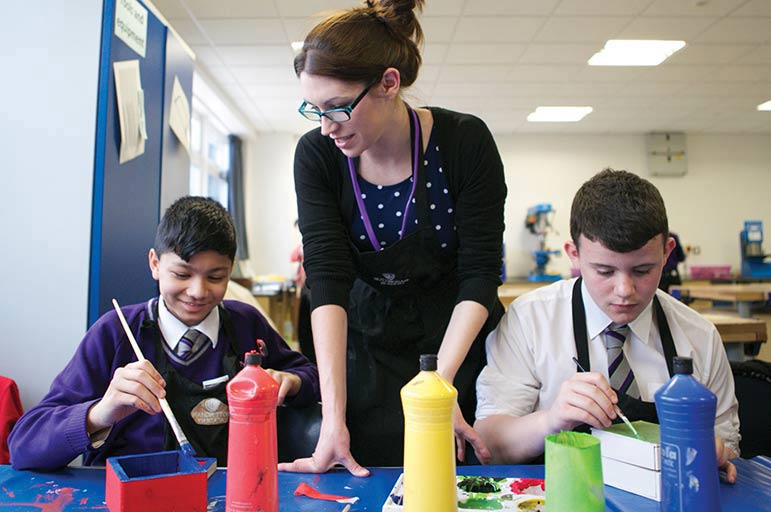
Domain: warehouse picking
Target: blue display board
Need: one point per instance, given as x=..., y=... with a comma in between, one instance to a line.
x=127, y=197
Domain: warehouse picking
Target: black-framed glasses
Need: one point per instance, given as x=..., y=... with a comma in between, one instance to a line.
x=338, y=115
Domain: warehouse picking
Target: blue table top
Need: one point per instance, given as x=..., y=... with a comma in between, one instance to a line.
x=82, y=489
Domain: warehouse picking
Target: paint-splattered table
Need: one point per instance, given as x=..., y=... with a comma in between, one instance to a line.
x=82, y=489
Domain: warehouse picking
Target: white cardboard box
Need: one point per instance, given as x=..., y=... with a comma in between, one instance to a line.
x=629, y=463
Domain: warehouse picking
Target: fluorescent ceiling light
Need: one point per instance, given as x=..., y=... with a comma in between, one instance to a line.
x=631, y=52
x=297, y=46
x=765, y=106
x=558, y=114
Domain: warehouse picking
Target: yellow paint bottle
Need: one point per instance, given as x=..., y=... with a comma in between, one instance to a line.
x=428, y=401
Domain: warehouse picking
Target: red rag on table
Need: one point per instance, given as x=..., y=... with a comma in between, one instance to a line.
x=306, y=490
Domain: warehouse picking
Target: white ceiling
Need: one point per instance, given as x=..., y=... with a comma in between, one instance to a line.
x=500, y=59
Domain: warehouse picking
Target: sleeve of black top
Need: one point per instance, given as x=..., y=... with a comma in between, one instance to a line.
x=479, y=202
x=326, y=251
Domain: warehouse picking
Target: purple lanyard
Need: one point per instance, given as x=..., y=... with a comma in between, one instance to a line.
x=360, y=202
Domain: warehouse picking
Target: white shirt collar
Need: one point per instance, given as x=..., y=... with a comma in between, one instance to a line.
x=597, y=320
x=172, y=328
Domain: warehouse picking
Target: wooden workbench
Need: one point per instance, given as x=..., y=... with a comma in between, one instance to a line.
x=743, y=295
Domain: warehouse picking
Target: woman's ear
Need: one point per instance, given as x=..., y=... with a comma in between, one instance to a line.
x=390, y=83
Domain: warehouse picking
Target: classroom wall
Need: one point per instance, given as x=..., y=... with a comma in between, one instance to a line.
x=728, y=179
x=50, y=65
x=271, y=208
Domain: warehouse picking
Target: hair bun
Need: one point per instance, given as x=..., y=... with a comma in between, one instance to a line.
x=399, y=16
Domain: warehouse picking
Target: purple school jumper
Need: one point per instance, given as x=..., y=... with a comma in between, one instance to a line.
x=53, y=432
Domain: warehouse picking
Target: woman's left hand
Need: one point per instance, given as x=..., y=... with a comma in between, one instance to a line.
x=464, y=432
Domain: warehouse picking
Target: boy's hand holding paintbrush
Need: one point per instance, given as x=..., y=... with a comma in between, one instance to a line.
x=584, y=398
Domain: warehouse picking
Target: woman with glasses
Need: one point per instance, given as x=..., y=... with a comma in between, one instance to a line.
x=401, y=211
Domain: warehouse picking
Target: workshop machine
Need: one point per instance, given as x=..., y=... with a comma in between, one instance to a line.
x=538, y=221
x=753, y=259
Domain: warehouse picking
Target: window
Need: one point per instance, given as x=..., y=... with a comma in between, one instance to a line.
x=209, y=156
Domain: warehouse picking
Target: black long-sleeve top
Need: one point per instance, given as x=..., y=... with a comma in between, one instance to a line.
x=475, y=178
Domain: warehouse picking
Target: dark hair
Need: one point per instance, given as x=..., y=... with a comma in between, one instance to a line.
x=359, y=44
x=618, y=209
x=196, y=224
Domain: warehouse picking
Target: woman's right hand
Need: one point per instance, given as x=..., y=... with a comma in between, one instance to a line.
x=333, y=447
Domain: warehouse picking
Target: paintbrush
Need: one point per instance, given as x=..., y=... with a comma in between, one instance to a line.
x=615, y=406
x=184, y=444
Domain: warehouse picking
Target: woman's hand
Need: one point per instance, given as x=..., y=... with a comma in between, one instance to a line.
x=334, y=447
x=136, y=386
x=464, y=432
x=288, y=383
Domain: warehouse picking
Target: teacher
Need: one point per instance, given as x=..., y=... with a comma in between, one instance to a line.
x=401, y=212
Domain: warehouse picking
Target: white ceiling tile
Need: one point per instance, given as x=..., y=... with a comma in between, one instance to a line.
x=754, y=8
x=434, y=53
x=656, y=89
x=220, y=74
x=256, y=55
x=577, y=29
x=509, y=7
x=668, y=28
x=443, y=8
x=590, y=89
x=601, y=7
x=675, y=73
x=558, y=53
x=270, y=91
x=297, y=28
x=438, y=29
x=760, y=55
x=189, y=31
x=727, y=89
x=500, y=29
x=170, y=8
x=473, y=73
x=233, y=9
x=304, y=8
x=277, y=75
x=699, y=53
x=479, y=53
x=692, y=8
x=743, y=73
x=538, y=73
x=244, y=31
x=737, y=30
x=609, y=73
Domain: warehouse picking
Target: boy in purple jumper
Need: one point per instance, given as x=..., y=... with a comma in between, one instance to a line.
x=105, y=402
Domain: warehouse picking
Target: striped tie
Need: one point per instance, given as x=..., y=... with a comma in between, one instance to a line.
x=620, y=374
x=191, y=345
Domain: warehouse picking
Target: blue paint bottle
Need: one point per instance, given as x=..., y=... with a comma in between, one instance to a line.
x=689, y=474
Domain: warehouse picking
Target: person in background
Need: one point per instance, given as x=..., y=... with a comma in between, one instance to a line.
x=105, y=403
x=670, y=275
x=302, y=305
x=401, y=212
x=614, y=320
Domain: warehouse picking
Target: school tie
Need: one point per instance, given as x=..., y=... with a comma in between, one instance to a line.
x=190, y=346
x=620, y=374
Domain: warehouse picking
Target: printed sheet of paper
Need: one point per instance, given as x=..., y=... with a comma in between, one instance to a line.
x=131, y=25
x=131, y=109
x=179, y=117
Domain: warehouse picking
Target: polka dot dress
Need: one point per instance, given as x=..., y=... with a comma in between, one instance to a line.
x=386, y=204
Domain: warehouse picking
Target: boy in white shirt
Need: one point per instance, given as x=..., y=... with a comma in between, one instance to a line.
x=613, y=320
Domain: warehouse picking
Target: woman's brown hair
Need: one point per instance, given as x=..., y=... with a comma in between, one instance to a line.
x=358, y=44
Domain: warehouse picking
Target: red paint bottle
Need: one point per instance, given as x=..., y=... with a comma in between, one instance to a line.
x=252, y=474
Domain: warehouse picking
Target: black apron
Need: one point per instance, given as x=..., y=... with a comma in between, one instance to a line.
x=633, y=408
x=184, y=395
x=400, y=306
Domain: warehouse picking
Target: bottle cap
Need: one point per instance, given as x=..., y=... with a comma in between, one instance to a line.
x=428, y=362
x=682, y=365
x=253, y=357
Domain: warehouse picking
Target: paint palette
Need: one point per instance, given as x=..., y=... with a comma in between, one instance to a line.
x=485, y=493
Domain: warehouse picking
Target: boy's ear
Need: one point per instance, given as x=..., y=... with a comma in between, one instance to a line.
x=155, y=264
x=669, y=246
x=571, y=249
